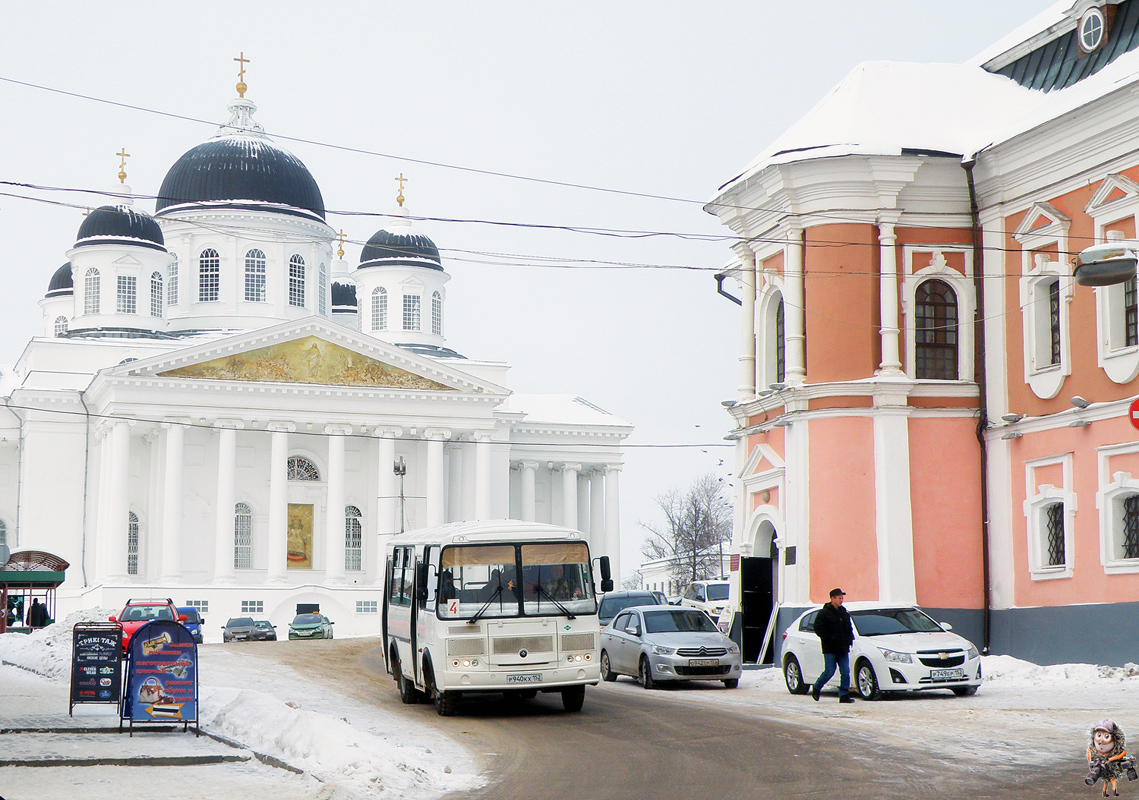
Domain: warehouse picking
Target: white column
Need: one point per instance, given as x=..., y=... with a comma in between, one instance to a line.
x=746, y=388
x=483, y=477
x=793, y=312
x=569, y=495
x=529, y=505
x=172, y=502
x=387, y=493
x=436, y=472
x=597, y=509
x=334, y=504
x=454, y=452
x=223, y=511
x=277, y=549
x=888, y=298
x=118, y=502
x=613, y=520
x=583, y=519
x=469, y=481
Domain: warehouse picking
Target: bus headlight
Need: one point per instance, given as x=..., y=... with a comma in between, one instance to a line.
x=576, y=659
x=466, y=662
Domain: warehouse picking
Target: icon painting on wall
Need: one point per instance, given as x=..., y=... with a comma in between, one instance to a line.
x=299, y=553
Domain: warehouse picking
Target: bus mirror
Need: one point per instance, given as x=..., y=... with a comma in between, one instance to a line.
x=606, y=584
x=606, y=574
x=421, y=582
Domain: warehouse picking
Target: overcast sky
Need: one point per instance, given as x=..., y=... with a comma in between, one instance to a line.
x=656, y=98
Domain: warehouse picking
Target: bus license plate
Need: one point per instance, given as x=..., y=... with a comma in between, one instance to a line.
x=947, y=674
x=528, y=678
x=703, y=662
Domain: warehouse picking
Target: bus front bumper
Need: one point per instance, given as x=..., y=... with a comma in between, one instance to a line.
x=522, y=678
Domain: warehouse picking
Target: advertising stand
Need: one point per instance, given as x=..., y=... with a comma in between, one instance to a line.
x=161, y=683
x=96, y=663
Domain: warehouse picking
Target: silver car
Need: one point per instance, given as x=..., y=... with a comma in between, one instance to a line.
x=667, y=643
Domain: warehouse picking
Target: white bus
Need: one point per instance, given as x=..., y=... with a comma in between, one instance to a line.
x=501, y=606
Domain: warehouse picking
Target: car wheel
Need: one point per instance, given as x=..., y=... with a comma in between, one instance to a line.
x=573, y=697
x=866, y=680
x=647, y=674
x=607, y=673
x=793, y=676
x=965, y=691
x=731, y=683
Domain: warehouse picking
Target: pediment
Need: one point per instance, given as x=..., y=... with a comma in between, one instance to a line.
x=1112, y=189
x=312, y=351
x=762, y=459
x=1043, y=220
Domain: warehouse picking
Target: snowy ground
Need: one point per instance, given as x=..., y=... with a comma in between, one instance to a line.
x=341, y=745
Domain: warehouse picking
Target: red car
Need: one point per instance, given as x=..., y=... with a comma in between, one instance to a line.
x=137, y=613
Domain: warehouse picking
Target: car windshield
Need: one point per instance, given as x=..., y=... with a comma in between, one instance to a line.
x=884, y=621
x=717, y=591
x=306, y=619
x=263, y=624
x=240, y=622
x=678, y=620
x=191, y=616
x=612, y=606
x=146, y=613
x=510, y=580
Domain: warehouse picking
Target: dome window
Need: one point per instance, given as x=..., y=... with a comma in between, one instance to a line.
x=172, y=286
x=126, y=298
x=209, y=275
x=297, y=282
x=379, y=308
x=61, y=326
x=91, y=291
x=1093, y=28
x=255, y=276
x=156, y=294
x=437, y=314
x=322, y=290
x=411, y=312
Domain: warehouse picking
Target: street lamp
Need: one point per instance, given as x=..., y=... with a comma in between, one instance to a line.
x=1107, y=264
x=400, y=469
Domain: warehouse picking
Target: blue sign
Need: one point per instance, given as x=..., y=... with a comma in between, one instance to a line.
x=162, y=674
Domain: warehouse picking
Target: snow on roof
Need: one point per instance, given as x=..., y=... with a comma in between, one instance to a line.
x=559, y=409
x=1053, y=15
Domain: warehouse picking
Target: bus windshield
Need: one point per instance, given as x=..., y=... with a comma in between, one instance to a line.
x=511, y=580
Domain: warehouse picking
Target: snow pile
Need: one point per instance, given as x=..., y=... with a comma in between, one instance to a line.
x=1013, y=673
x=47, y=651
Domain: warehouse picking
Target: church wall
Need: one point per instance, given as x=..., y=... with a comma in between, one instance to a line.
x=50, y=488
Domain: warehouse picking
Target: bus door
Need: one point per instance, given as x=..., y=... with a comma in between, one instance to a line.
x=384, y=616
x=422, y=610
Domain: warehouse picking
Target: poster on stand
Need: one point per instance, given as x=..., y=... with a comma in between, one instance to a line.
x=161, y=682
x=96, y=663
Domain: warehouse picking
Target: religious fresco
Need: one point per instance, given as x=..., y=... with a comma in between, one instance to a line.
x=299, y=552
x=306, y=360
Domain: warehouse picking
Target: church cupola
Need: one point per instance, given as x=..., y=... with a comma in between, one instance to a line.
x=118, y=262
x=59, y=304
x=400, y=285
x=344, y=308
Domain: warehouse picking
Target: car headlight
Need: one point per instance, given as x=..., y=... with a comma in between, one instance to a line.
x=971, y=653
x=897, y=658
x=733, y=649
x=661, y=650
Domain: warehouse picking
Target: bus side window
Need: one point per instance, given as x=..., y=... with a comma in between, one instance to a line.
x=396, y=577
x=408, y=577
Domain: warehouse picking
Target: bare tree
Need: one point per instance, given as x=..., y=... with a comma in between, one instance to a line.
x=697, y=529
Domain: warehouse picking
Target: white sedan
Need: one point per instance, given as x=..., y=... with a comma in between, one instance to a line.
x=897, y=648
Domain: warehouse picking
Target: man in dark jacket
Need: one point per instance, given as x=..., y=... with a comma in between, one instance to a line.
x=836, y=635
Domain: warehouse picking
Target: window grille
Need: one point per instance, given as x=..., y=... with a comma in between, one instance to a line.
x=1055, y=519
x=255, y=276
x=61, y=326
x=301, y=469
x=209, y=276
x=437, y=314
x=935, y=332
x=1131, y=526
x=172, y=284
x=411, y=304
x=132, y=543
x=297, y=281
x=379, y=309
x=156, y=294
x=1130, y=314
x=252, y=606
x=780, y=344
x=3, y=532
x=367, y=607
x=91, y=291
x=322, y=290
x=1054, y=320
x=353, y=539
x=242, y=536
x=126, y=298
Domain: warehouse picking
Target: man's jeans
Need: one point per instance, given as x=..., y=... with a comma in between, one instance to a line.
x=842, y=661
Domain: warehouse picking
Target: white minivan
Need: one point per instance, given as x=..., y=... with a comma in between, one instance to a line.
x=708, y=596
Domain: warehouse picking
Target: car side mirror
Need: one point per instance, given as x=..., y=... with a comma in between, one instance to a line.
x=946, y=626
x=182, y=618
x=113, y=619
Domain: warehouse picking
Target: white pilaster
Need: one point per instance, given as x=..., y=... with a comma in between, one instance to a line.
x=172, y=502
x=613, y=520
x=469, y=481
x=596, y=536
x=436, y=472
x=454, y=453
x=746, y=388
x=583, y=519
x=484, y=501
x=888, y=298
x=118, y=501
x=334, y=504
x=569, y=494
x=793, y=312
x=529, y=505
x=893, y=515
x=277, y=549
x=223, y=511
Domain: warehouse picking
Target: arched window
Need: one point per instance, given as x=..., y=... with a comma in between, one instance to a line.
x=209, y=275
x=91, y=291
x=301, y=469
x=437, y=314
x=242, y=536
x=126, y=299
x=379, y=308
x=353, y=538
x=156, y=294
x=411, y=307
x=255, y=276
x=780, y=344
x=132, y=543
x=297, y=281
x=172, y=284
x=61, y=326
x=322, y=290
x=935, y=332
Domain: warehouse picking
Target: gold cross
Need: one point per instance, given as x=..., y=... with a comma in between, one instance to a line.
x=241, y=59
x=123, y=155
x=402, y=180
x=340, y=251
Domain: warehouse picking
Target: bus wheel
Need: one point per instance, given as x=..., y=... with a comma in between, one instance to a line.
x=445, y=703
x=573, y=697
x=407, y=691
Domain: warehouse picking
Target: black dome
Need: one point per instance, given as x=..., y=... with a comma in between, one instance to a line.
x=61, y=282
x=121, y=224
x=242, y=170
x=400, y=250
x=343, y=295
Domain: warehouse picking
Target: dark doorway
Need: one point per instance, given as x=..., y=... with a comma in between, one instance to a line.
x=758, y=598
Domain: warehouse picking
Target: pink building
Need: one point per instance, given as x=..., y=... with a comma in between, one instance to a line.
x=929, y=408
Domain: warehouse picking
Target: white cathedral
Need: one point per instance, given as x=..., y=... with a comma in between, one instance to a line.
x=216, y=407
